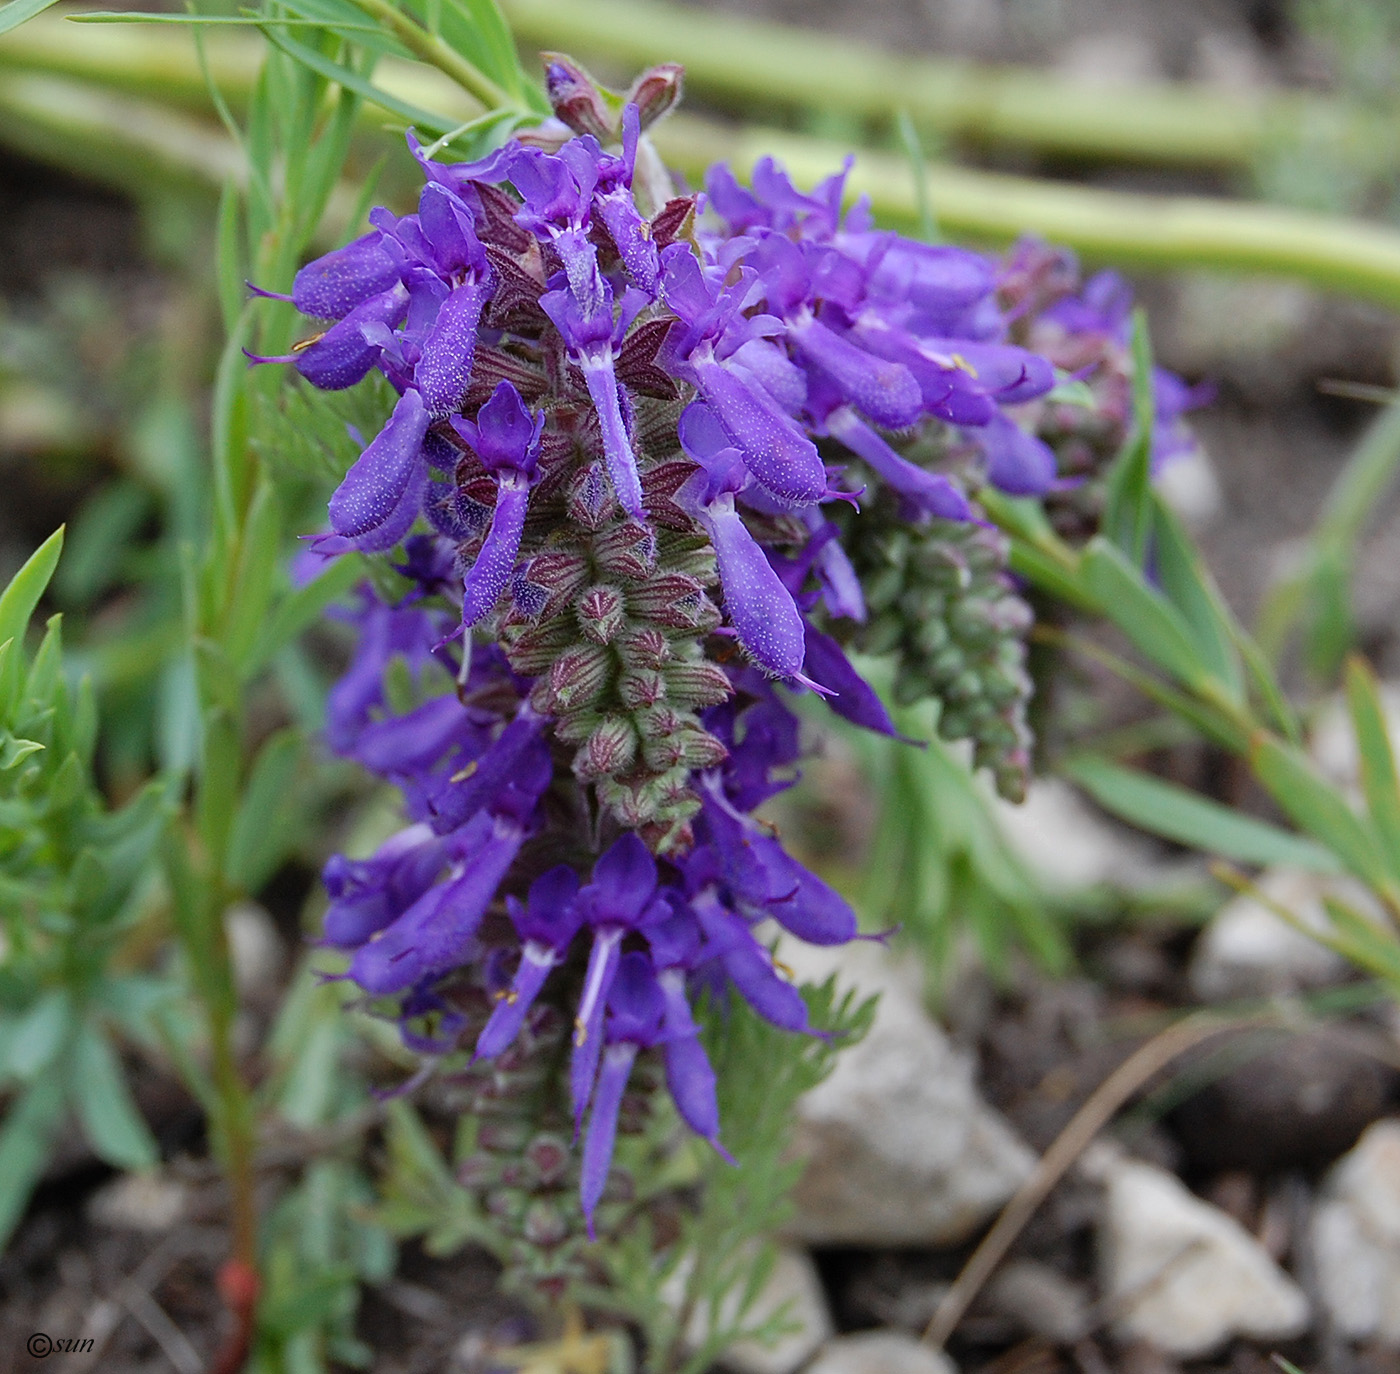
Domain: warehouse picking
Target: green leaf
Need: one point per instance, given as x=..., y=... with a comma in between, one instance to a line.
x=478, y=31
x=14, y=751
x=216, y=798
x=1188, y=585
x=39, y=1035
x=425, y=121
x=1314, y=805
x=1362, y=942
x=26, y=1144
x=1379, y=780
x=17, y=604
x=113, y=1125
x=104, y=530
x=264, y=830
x=1155, y=627
x=18, y=12
x=258, y=564
x=303, y=607
x=1161, y=808
x=1127, y=517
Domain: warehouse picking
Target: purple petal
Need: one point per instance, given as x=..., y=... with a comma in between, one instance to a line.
x=617, y=447
x=434, y=934
x=508, y=1015
x=550, y=916
x=505, y=434
x=779, y=455
x=636, y=1005
x=1017, y=462
x=879, y=388
x=332, y=286
x=689, y=1074
x=489, y=576
x=373, y=490
x=444, y=369
x=504, y=759
x=588, y=1023
x=405, y=744
x=624, y=879
x=632, y=236
x=750, y=966
x=343, y=355
x=931, y=492
x=852, y=696
x=602, y=1128
x=759, y=606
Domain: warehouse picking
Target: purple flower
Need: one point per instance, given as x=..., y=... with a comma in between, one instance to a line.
x=759, y=605
x=506, y=440
x=547, y=925
x=380, y=496
x=635, y=1012
x=614, y=902
x=588, y=331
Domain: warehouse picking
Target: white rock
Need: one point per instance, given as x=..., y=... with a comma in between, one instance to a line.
x=1068, y=845
x=901, y=1149
x=1040, y=1300
x=1188, y=484
x=256, y=949
x=1332, y=743
x=1356, y=1237
x=794, y=1285
x=880, y=1352
x=1248, y=950
x=139, y=1202
x=1181, y=1274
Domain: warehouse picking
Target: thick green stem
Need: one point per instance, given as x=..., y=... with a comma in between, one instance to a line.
x=752, y=64
x=113, y=137
x=157, y=62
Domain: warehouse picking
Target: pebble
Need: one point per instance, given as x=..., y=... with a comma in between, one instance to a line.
x=880, y=1352
x=1332, y=742
x=147, y=1202
x=793, y=1285
x=1189, y=485
x=900, y=1147
x=1069, y=846
x=1247, y=950
x=1356, y=1238
x=259, y=957
x=1040, y=1300
x=1182, y=1275
x=1279, y=1100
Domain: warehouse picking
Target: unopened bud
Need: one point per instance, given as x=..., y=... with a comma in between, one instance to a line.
x=644, y=648
x=657, y=91
x=545, y=1225
x=577, y=99
x=591, y=500
x=695, y=685
x=627, y=551
x=578, y=676
x=601, y=613
x=640, y=687
x=609, y=749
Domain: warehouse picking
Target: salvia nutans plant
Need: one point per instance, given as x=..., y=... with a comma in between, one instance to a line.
x=660, y=462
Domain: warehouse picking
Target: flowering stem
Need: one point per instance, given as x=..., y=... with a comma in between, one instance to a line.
x=746, y=63
x=432, y=50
